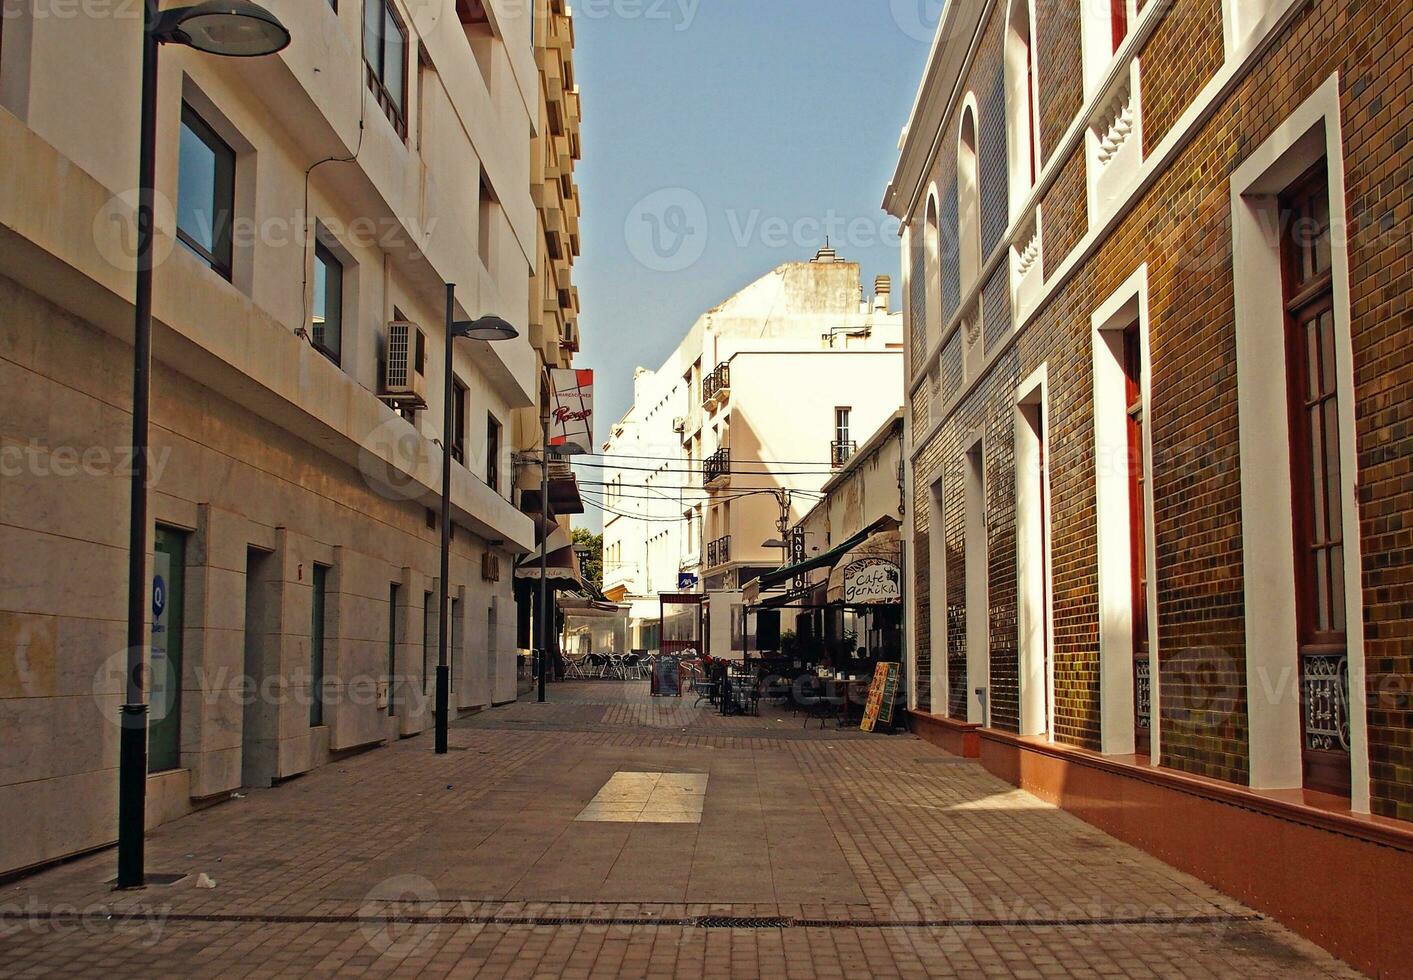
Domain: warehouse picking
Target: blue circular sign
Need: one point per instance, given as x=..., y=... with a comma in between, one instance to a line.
x=159, y=595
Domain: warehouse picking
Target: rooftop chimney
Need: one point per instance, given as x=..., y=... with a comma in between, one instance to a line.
x=882, y=290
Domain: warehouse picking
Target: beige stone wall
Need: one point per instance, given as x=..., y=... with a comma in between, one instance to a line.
x=234, y=482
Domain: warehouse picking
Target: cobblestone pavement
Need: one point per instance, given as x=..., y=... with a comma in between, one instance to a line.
x=820, y=852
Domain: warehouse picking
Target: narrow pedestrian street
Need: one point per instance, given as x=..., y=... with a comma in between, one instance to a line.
x=539, y=847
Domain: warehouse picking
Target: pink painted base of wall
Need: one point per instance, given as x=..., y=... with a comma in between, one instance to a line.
x=1342, y=880
x=957, y=737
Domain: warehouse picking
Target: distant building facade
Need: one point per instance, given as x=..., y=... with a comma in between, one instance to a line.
x=729, y=442
x=1155, y=265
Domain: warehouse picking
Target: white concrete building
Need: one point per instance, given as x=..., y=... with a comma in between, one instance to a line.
x=306, y=201
x=732, y=439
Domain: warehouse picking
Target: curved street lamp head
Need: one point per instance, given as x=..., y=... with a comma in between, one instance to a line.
x=231, y=28
x=488, y=328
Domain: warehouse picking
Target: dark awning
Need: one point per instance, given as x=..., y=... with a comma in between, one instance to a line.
x=824, y=558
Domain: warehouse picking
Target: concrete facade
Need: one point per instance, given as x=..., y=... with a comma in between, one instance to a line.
x=275, y=465
x=740, y=425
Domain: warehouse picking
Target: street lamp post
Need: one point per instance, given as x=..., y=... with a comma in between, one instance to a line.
x=490, y=329
x=230, y=28
x=543, y=617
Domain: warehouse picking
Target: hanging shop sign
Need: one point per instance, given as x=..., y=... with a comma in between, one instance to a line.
x=872, y=580
x=870, y=574
x=571, y=421
x=879, y=707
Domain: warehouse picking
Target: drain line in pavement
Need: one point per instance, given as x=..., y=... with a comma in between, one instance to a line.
x=686, y=922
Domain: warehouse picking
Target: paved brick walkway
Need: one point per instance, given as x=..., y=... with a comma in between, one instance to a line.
x=820, y=853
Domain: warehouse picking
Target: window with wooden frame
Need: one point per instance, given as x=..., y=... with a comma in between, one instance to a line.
x=1138, y=539
x=1118, y=21
x=1316, y=481
x=385, y=59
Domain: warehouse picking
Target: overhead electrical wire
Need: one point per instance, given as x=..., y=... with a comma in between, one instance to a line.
x=778, y=462
x=826, y=471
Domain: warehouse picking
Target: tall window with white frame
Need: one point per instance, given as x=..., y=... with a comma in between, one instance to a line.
x=843, y=448
x=1020, y=99
x=1137, y=536
x=1316, y=479
x=205, y=192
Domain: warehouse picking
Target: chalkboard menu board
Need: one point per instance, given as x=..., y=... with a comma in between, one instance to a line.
x=667, y=676
x=880, y=697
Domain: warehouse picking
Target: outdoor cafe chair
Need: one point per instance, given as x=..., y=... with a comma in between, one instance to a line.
x=575, y=667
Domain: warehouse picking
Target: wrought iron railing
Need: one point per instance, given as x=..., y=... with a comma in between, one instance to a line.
x=716, y=466
x=840, y=450
x=716, y=382
x=719, y=551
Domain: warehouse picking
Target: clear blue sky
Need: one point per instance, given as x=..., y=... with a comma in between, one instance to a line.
x=746, y=125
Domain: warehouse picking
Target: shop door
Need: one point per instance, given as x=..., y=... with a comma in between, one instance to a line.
x=165, y=694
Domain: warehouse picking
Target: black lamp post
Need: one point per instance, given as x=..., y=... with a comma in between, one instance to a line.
x=490, y=329
x=231, y=28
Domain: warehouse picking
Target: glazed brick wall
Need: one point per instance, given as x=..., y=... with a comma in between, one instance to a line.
x=917, y=298
x=1060, y=67
x=991, y=159
x=1176, y=62
x=1064, y=212
x=1378, y=130
x=1182, y=230
x=947, y=225
x=996, y=306
x=921, y=572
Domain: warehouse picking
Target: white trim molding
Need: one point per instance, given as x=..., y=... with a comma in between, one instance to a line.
x=937, y=592
x=1127, y=306
x=1309, y=133
x=1034, y=570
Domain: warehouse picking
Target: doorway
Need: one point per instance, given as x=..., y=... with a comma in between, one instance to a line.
x=164, y=719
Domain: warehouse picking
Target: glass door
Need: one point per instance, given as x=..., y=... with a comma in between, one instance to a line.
x=165, y=683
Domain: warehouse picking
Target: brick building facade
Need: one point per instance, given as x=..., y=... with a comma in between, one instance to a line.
x=1157, y=262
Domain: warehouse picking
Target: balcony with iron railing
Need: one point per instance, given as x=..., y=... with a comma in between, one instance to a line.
x=717, y=385
x=719, y=552
x=716, y=469
x=840, y=451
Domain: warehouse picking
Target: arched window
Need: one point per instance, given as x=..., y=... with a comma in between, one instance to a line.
x=968, y=200
x=932, y=271
x=1023, y=154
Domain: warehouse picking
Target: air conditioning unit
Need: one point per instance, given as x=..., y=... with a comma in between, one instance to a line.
x=490, y=567
x=404, y=380
x=679, y=425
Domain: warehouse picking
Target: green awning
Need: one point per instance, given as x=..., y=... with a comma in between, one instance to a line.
x=785, y=572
